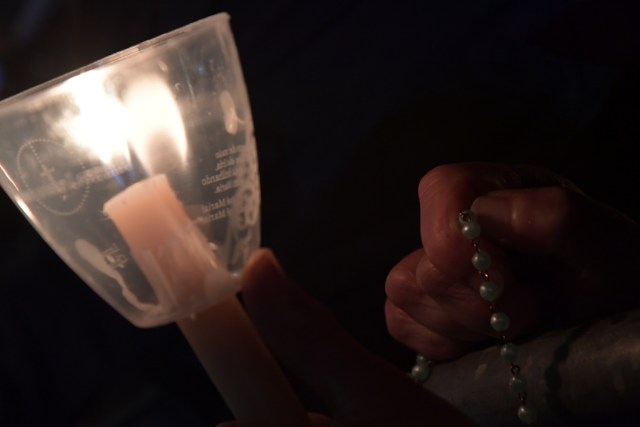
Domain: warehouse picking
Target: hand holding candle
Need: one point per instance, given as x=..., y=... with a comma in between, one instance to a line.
x=178, y=262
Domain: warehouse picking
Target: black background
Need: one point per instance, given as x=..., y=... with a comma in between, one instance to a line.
x=353, y=102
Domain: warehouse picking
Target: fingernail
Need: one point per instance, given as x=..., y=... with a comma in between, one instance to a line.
x=263, y=267
x=264, y=259
x=492, y=206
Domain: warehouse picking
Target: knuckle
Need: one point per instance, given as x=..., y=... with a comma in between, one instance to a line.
x=398, y=287
x=433, y=178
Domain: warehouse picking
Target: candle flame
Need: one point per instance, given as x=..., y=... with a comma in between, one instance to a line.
x=99, y=121
x=157, y=134
x=142, y=116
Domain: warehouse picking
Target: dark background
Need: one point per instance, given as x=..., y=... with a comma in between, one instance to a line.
x=353, y=102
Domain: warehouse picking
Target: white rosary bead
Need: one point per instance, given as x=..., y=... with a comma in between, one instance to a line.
x=471, y=230
x=490, y=291
x=518, y=384
x=500, y=321
x=421, y=373
x=509, y=352
x=421, y=360
x=527, y=414
x=481, y=260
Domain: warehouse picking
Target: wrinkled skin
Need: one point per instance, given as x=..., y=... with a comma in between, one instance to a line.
x=559, y=255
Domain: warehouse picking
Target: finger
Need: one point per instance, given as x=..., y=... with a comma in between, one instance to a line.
x=455, y=310
x=520, y=298
x=360, y=388
x=404, y=292
x=444, y=192
x=552, y=220
x=460, y=300
x=580, y=234
x=447, y=190
x=401, y=280
x=416, y=336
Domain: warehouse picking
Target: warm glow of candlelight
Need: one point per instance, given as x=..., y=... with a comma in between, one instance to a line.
x=173, y=254
x=157, y=134
x=142, y=116
x=99, y=121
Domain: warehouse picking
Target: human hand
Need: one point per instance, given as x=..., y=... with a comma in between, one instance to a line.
x=359, y=388
x=557, y=253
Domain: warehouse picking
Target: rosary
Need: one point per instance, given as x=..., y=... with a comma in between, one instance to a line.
x=500, y=322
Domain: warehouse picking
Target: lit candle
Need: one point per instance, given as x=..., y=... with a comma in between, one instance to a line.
x=169, y=249
x=177, y=261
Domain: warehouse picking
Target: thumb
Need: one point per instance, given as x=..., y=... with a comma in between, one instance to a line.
x=359, y=388
x=591, y=244
x=556, y=221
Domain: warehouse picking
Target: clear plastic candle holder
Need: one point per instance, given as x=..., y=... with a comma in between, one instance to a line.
x=140, y=171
